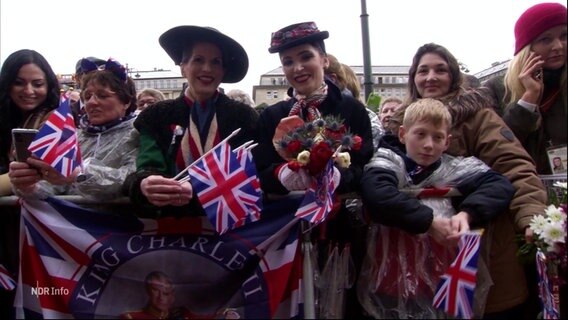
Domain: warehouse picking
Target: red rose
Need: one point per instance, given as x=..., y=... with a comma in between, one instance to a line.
x=319, y=156
x=294, y=165
x=357, y=142
x=335, y=134
x=294, y=146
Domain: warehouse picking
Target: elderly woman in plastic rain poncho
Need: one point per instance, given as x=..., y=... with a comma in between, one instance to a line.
x=107, y=142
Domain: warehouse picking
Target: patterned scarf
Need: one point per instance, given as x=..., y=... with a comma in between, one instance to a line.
x=306, y=107
x=203, y=133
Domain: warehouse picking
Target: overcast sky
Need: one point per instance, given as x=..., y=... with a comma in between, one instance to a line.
x=478, y=32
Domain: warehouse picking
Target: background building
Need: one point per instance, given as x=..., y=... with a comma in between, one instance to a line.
x=388, y=81
x=168, y=82
x=496, y=69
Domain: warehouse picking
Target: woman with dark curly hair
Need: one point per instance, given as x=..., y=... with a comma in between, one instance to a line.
x=107, y=141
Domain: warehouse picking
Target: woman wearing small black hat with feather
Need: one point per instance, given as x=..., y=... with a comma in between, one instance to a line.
x=174, y=133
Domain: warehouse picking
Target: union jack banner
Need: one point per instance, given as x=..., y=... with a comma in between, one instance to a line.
x=56, y=142
x=227, y=186
x=454, y=294
x=549, y=304
x=87, y=264
x=6, y=280
x=318, y=200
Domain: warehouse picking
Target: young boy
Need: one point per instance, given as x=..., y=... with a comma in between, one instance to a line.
x=413, y=240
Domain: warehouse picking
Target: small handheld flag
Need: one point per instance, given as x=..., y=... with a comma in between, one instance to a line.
x=457, y=285
x=227, y=186
x=6, y=280
x=56, y=142
x=318, y=200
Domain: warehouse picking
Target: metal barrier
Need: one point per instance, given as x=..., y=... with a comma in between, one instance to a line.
x=13, y=200
x=548, y=181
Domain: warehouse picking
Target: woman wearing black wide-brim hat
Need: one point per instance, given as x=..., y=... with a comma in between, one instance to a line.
x=174, y=133
x=301, y=51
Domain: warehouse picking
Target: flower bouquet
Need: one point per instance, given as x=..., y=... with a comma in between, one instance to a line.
x=549, y=247
x=310, y=145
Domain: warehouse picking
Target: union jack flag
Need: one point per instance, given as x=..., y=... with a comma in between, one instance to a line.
x=6, y=280
x=81, y=263
x=227, y=186
x=318, y=200
x=549, y=304
x=56, y=142
x=455, y=290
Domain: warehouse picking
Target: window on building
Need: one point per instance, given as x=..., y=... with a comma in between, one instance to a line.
x=275, y=94
x=269, y=95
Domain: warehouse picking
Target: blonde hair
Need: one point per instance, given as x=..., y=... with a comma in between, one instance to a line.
x=352, y=82
x=428, y=110
x=241, y=96
x=345, y=76
x=388, y=100
x=157, y=94
x=514, y=88
x=336, y=69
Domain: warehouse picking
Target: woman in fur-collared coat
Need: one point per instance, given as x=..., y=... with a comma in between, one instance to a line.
x=479, y=131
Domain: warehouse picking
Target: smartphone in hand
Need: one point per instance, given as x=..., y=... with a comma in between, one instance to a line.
x=21, y=138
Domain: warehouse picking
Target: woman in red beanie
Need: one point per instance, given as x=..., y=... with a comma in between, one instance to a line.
x=532, y=95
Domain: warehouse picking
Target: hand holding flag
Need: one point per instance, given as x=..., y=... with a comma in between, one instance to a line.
x=56, y=142
x=227, y=185
x=455, y=290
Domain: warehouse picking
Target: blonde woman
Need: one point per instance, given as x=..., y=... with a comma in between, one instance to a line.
x=533, y=95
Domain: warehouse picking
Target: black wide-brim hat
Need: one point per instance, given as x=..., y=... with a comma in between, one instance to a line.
x=295, y=35
x=235, y=58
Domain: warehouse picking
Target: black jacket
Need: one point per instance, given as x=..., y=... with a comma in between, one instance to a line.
x=157, y=123
x=485, y=195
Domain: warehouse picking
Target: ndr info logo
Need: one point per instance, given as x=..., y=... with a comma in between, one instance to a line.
x=49, y=291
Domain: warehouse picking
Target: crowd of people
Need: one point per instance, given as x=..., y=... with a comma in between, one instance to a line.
x=489, y=141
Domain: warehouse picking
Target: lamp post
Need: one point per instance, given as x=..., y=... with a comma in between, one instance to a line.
x=368, y=83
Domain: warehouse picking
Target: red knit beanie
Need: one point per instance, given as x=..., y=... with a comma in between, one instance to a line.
x=536, y=20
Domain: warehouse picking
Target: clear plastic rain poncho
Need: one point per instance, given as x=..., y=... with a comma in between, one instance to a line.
x=401, y=271
x=108, y=157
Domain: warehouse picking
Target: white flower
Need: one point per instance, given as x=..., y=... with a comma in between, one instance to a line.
x=537, y=224
x=343, y=159
x=563, y=185
x=555, y=215
x=303, y=157
x=552, y=233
